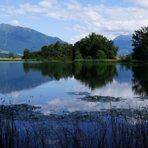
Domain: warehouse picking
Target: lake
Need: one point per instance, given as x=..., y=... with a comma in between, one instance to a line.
x=60, y=87
x=73, y=91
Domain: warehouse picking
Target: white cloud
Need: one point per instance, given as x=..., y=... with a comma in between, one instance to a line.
x=47, y=3
x=107, y=20
x=15, y=23
x=143, y=3
x=114, y=88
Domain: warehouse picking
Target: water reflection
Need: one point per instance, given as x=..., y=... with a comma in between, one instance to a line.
x=14, y=77
x=58, y=87
x=140, y=80
x=56, y=104
x=93, y=75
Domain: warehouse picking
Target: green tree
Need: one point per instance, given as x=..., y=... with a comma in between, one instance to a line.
x=90, y=45
x=44, y=51
x=26, y=54
x=11, y=55
x=100, y=55
x=78, y=54
x=140, y=43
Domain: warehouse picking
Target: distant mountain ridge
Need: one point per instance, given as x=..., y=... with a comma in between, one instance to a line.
x=15, y=39
x=3, y=54
x=124, y=43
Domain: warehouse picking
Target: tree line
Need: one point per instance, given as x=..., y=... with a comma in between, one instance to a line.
x=91, y=47
x=140, y=44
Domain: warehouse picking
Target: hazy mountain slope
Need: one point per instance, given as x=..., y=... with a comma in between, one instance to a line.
x=124, y=43
x=15, y=39
x=4, y=54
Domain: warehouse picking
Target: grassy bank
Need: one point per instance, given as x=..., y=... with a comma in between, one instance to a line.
x=11, y=59
x=118, y=60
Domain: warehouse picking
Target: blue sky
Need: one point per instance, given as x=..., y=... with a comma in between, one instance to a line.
x=73, y=19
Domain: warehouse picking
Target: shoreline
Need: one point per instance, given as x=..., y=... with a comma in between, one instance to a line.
x=11, y=59
x=76, y=60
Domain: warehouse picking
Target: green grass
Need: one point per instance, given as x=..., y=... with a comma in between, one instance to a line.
x=117, y=60
x=11, y=59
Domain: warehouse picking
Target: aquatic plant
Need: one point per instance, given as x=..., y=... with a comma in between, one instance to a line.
x=26, y=127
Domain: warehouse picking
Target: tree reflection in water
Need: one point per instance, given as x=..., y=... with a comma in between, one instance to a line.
x=92, y=74
x=140, y=80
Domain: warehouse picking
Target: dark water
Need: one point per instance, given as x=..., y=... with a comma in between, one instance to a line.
x=83, y=104
x=61, y=87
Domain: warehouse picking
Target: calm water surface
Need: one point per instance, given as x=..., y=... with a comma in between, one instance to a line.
x=61, y=87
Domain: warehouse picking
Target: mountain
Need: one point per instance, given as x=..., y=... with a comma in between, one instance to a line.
x=124, y=43
x=15, y=39
x=4, y=54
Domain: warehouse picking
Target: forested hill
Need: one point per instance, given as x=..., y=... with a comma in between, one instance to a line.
x=15, y=39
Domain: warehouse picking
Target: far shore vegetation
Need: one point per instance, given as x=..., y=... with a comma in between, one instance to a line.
x=91, y=48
